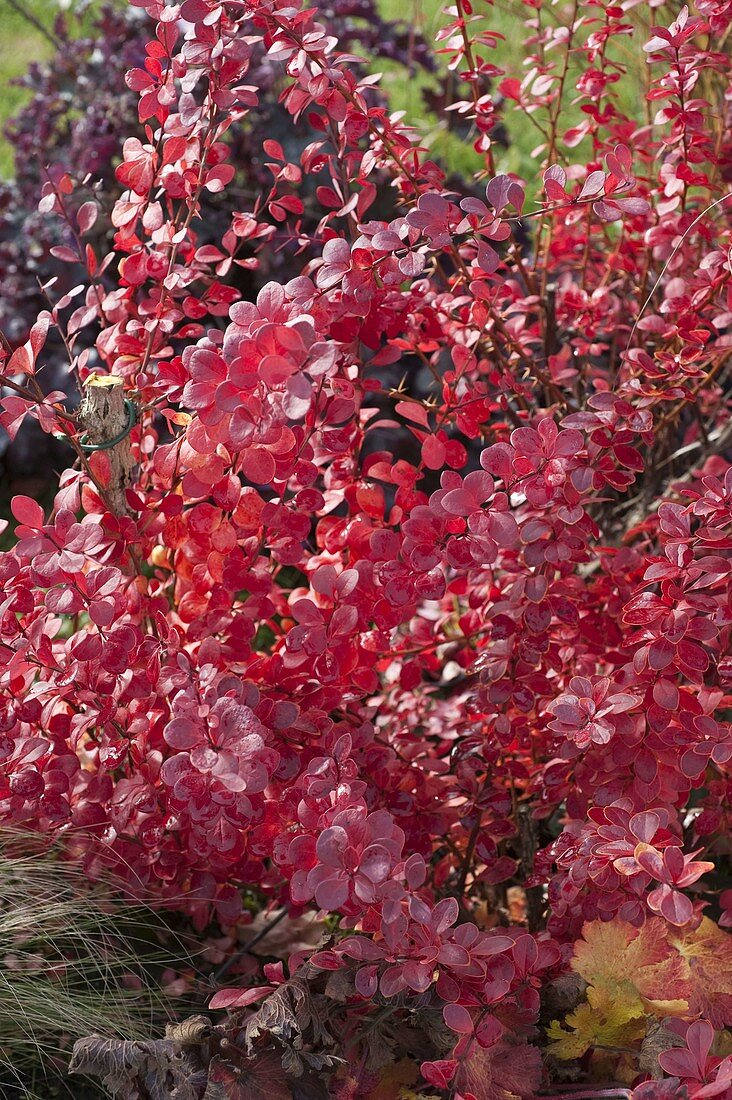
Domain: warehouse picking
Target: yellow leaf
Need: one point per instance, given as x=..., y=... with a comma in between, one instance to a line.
x=668, y=1008
x=614, y=1016
x=603, y=997
x=632, y=972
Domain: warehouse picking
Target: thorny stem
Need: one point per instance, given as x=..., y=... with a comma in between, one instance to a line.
x=468, y=856
x=180, y=231
x=468, y=52
x=35, y=398
x=542, y=254
x=78, y=242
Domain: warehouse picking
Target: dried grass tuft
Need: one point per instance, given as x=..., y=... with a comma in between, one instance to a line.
x=75, y=958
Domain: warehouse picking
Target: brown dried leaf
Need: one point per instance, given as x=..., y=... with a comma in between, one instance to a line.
x=190, y=1032
x=339, y=985
x=658, y=1038
x=563, y=994
x=99, y=1057
x=150, y=1070
x=396, y=1077
x=284, y=1015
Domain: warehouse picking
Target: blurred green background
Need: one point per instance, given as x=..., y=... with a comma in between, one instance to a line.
x=20, y=44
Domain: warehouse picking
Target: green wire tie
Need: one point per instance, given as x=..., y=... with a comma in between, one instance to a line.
x=131, y=421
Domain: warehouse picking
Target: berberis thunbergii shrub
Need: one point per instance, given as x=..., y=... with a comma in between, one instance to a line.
x=470, y=707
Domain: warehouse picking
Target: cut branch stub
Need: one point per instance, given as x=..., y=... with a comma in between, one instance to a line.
x=105, y=415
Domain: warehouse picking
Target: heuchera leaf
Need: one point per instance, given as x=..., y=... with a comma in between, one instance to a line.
x=260, y=1078
x=637, y=963
x=655, y=970
x=706, y=980
x=610, y=1018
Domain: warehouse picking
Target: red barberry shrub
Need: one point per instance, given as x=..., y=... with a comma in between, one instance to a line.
x=77, y=118
x=467, y=699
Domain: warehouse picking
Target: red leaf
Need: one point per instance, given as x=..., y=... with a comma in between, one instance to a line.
x=440, y=1073
x=258, y=465
x=86, y=215
x=239, y=998
x=61, y=252
x=488, y=1031
x=671, y=904
x=27, y=511
x=273, y=149
x=458, y=1019
x=412, y=265
x=39, y=333
x=433, y=453
x=13, y=411
x=510, y=88
x=218, y=177
x=412, y=410
x=554, y=181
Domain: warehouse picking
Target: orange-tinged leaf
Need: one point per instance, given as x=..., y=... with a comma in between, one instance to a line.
x=706, y=954
x=608, y=948
x=661, y=1007
x=182, y=419
x=633, y=959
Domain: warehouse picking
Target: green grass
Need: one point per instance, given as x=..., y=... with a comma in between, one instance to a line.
x=507, y=18
x=20, y=44
x=406, y=93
